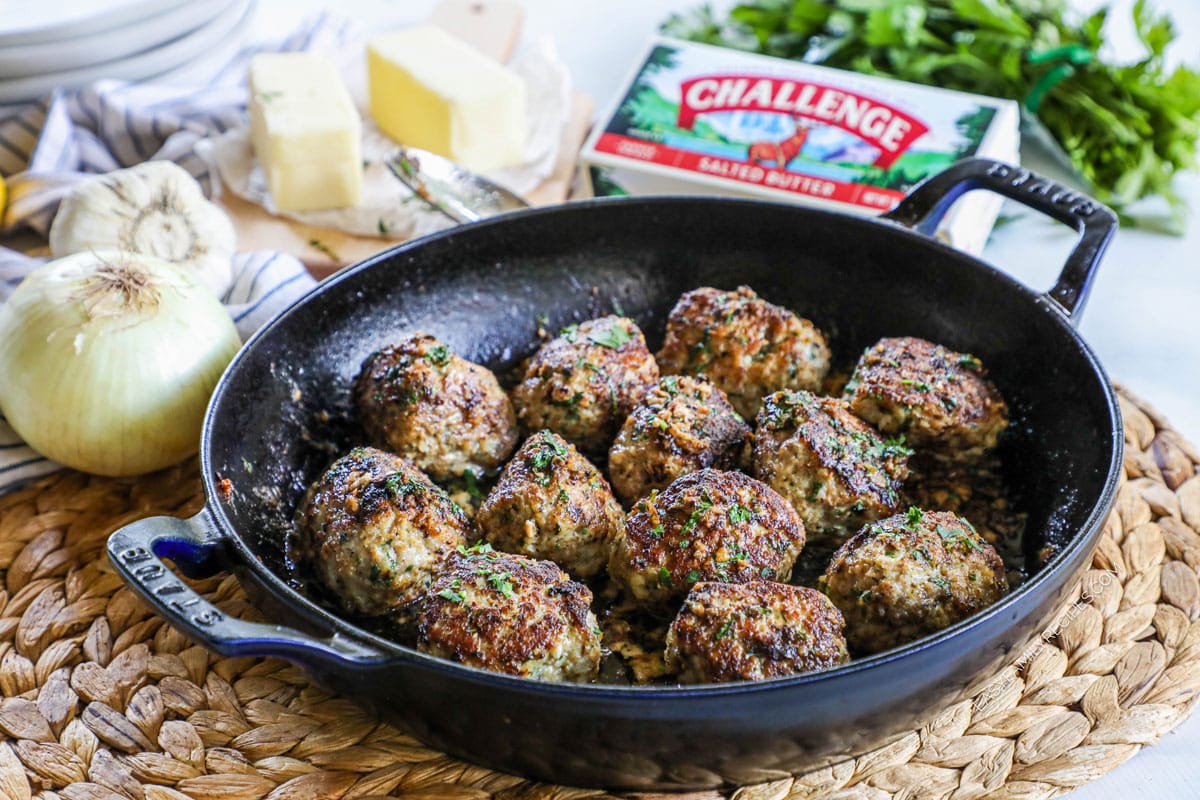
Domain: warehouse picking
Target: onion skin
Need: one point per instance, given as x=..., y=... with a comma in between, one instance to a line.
x=119, y=389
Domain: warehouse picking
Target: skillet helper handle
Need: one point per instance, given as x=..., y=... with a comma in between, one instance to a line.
x=198, y=549
x=927, y=203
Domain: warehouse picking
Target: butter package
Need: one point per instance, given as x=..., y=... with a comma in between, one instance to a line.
x=697, y=119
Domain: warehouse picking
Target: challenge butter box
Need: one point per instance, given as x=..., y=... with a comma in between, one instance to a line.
x=697, y=119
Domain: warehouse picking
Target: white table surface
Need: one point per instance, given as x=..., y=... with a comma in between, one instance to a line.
x=1143, y=318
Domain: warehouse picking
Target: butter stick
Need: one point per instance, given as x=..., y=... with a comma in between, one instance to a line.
x=306, y=132
x=431, y=90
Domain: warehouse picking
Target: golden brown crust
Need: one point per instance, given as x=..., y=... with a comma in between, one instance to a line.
x=938, y=398
x=552, y=503
x=373, y=529
x=683, y=424
x=746, y=346
x=911, y=575
x=444, y=413
x=510, y=614
x=584, y=382
x=751, y=631
x=835, y=469
x=706, y=526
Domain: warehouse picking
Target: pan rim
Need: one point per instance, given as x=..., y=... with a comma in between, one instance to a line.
x=1083, y=538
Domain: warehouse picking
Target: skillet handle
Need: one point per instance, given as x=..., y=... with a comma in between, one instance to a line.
x=1095, y=222
x=198, y=549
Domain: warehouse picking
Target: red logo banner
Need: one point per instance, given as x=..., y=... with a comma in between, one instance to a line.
x=888, y=128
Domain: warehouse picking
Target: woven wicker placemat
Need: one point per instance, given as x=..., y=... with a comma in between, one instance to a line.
x=104, y=701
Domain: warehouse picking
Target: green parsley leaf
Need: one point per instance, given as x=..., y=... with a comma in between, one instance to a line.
x=613, y=338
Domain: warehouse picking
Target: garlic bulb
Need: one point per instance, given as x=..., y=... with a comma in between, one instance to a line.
x=108, y=359
x=154, y=208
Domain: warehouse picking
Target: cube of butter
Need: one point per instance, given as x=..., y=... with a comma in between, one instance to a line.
x=306, y=131
x=431, y=90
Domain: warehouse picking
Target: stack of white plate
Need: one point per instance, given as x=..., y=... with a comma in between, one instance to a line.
x=70, y=43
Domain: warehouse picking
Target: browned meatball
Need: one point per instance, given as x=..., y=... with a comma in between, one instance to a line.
x=552, y=503
x=835, y=469
x=939, y=399
x=374, y=528
x=911, y=575
x=706, y=526
x=751, y=631
x=445, y=414
x=583, y=383
x=511, y=614
x=683, y=425
x=743, y=344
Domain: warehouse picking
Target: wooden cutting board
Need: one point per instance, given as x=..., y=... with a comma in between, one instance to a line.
x=492, y=27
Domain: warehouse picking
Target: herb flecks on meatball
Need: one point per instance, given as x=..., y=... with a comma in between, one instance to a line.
x=746, y=346
x=511, y=614
x=706, y=526
x=684, y=424
x=552, y=503
x=447, y=415
x=911, y=575
x=836, y=470
x=583, y=383
x=751, y=631
x=374, y=528
x=939, y=399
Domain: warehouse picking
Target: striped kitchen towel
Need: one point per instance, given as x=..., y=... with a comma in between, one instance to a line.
x=48, y=146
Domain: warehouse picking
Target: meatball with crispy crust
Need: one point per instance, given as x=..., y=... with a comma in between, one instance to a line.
x=552, y=503
x=511, y=614
x=746, y=346
x=706, y=526
x=835, y=469
x=373, y=529
x=751, y=631
x=911, y=575
x=445, y=414
x=939, y=399
x=583, y=383
x=684, y=424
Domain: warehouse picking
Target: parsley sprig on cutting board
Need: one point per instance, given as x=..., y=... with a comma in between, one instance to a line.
x=1126, y=128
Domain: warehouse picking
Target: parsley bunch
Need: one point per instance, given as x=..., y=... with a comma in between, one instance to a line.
x=1126, y=128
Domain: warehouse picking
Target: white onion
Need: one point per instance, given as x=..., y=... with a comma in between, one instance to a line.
x=108, y=359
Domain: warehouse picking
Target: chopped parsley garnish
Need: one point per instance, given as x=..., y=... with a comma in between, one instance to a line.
x=739, y=513
x=950, y=535
x=723, y=631
x=915, y=516
x=549, y=449
x=664, y=577
x=438, y=355
x=968, y=361
x=569, y=332
x=693, y=576
x=704, y=505
x=479, y=548
x=613, y=338
x=451, y=592
x=670, y=384
x=501, y=582
x=940, y=582
x=657, y=531
x=895, y=447
x=398, y=486
x=920, y=386
x=563, y=497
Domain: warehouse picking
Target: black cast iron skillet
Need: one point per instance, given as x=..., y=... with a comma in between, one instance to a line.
x=280, y=415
